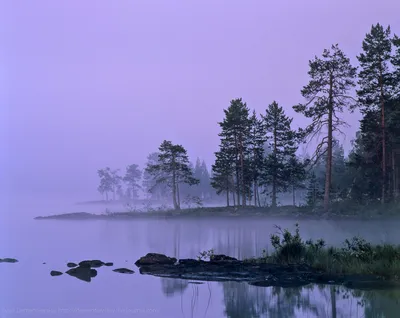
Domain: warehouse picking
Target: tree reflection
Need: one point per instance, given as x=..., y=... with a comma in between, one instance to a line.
x=172, y=287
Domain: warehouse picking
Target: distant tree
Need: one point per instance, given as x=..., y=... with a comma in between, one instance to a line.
x=132, y=178
x=332, y=76
x=257, y=139
x=235, y=130
x=376, y=84
x=282, y=140
x=172, y=169
x=314, y=192
x=222, y=171
x=157, y=191
x=296, y=175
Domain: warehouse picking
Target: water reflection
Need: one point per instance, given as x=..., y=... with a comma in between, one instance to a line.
x=242, y=300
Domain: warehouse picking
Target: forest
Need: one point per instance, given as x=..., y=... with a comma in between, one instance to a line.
x=258, y=161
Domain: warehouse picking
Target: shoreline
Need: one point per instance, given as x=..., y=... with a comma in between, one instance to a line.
x=286, y=212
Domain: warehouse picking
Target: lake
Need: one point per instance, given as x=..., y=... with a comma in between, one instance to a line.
x=28, y=290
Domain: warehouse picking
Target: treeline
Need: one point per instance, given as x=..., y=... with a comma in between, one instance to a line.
x=165, y=171
x=258, y=153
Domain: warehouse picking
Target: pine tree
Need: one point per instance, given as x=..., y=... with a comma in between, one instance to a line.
x=222, y=171
x=235, y=136
x=132, y=177
x=283, y=145
x=256, y=151
x=314, y=193
x=172, y=169
x=332, y=76
x=376, y=84
x=296, y=175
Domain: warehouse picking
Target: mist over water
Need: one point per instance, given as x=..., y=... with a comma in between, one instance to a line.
x=32, y=291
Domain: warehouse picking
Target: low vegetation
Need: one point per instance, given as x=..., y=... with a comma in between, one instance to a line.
x=356, y=256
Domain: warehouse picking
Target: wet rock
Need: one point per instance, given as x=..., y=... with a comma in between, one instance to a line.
x=44, y=263
x=196, y=283
x=84, y=273
x=109, y=264
x=123, y=271
x=191, y=262
x=70, y=265
x=155, y=259
x=8, y=260
x=91, y=263
x=55, y=273
x=221, y=257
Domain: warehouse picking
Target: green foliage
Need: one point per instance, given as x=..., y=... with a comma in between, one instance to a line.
x=205, y=255
x=283, y=144
x=172, y=168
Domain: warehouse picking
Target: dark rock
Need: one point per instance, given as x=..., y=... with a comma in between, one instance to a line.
x=155, y=259
x=83, y=273
x=44, y=263
x=123, y=271
x=55, y=273
x=196, y=283
x=92, y=263
x=189, y=261
x=109, y=264
x=70, y=265
x=221, y=257
x=8, y=260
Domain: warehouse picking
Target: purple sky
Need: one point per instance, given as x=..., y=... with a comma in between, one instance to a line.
x=89, y=84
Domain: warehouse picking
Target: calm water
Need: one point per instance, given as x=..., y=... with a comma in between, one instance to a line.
x=28, y=290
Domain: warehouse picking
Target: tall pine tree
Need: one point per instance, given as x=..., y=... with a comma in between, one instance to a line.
x=376, y=85
x=283, y=144
x=235, y=137
x=332, y=76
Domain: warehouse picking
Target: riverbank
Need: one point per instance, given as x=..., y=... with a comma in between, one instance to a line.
x=289, y=212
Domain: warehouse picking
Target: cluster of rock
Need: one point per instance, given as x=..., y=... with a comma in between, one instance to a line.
x=85, y=270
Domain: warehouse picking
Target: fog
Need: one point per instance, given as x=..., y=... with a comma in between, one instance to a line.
x=89, y=84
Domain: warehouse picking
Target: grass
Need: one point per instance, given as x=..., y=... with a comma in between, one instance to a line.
x=357, y=256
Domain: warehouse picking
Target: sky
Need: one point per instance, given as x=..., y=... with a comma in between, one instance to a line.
x=96, y=83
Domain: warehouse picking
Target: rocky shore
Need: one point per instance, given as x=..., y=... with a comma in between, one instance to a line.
x=224, y=268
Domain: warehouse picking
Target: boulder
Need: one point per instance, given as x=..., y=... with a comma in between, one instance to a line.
x=109, y=264
x=83, y=273
x=91, y=263
x=70, y=265
x=155, y=259
x=55, y=273
x=8, y=260
x=123, y=271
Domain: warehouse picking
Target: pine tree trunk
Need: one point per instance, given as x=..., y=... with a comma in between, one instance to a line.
x=394, y=174
x=233, y=198
x=242, y=172
x=328, y=173
x=178, y=197
x=227, y=198
x=383, y=136
x=174, y=201
x=255, y=193
x=294, y=195
x=258, y=198
x=273, y=203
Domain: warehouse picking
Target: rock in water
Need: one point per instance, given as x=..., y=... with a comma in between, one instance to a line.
x=92, y=263
x=8, y=260
x=155, y=259
x=55, y=273
x=123, y=271
x=83, y=273
x=109, y=264
x=70, y=265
